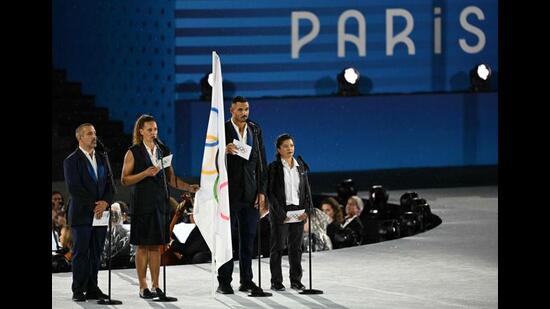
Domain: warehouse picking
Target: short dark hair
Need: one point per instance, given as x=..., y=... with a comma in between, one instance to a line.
x=280, y=139
x=239, y=99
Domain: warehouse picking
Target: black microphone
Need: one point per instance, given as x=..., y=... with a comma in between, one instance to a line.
x=159, y=144
x=303, y=163
x=251, y=123
x=158, y=141
x=101, y=143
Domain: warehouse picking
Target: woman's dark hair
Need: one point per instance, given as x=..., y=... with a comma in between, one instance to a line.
x=280, y=140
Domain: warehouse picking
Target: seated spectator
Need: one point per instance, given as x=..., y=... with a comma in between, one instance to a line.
x=194, y=249
x=60, y=220
x=120, y=241
x=335, y=218
x=125, y=213
x=61, y=261
x=319, y=238
x=58, y=203
x=352, y=232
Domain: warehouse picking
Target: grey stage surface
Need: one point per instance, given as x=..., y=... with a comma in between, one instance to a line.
x=454, y=265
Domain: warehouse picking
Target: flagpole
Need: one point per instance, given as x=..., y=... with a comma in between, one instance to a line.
x=212, y=285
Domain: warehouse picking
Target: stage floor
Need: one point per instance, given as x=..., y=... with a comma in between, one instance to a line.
x=454, y=265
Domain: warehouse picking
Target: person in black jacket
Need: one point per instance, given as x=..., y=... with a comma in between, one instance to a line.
x=286, y=192
x=149, y=206
x=91, y=194
x=247, y=186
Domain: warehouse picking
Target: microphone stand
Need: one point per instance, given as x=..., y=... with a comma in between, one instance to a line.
x=310, y=205
x=259, y=171
x=109, y=301
x=163, y=298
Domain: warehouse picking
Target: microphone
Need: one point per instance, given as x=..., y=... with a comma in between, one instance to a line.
x=101, y=143
x=158, y=142
x=303, y=163
x=252, y=125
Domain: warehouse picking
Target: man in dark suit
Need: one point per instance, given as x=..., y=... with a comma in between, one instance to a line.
x=91, y=194
x=247, y=187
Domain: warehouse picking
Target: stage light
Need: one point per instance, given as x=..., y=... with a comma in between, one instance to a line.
x=480, y=77
x=346, y=189
x=378, y=197
x=348, y=82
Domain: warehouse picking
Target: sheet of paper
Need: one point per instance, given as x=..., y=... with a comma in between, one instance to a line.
x=166, y=161
x=243, y=150
x=182, y=231
x=103, y=221
x=293, y=215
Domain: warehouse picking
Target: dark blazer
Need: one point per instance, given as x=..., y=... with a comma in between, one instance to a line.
x=148, y=194
x=84, y=188
x=276, y=192
x=241, y=173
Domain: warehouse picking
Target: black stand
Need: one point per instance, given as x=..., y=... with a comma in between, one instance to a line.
x=259, y=172
x=109, y=301
x=164, y=298
x=310, y=205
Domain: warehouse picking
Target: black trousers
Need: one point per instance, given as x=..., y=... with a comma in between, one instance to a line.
x=244, y=222
x=88, y=243
x=281, y=235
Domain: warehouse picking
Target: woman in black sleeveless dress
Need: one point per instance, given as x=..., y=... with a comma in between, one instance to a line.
x=150, y=223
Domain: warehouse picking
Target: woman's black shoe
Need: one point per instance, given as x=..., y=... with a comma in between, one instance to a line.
x=146, y=294
x=159, y=293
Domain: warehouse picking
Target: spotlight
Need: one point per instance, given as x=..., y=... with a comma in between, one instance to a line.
x=480, y=77
x=206, y=86
x=348, y=82
x=346, y=189
x=378, y=199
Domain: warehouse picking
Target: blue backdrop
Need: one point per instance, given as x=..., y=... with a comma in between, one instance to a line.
x=362, y=133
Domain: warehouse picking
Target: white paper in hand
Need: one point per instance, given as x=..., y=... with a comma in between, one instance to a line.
x=166, y=162
x=293, y=215
x=183, y=230
x=243, y=150
x=103, y=221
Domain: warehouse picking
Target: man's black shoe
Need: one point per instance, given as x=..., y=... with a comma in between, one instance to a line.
x=225, y=289
x=248, y=287
x=297, y=286
x=277, y=286
x=146, y=294
x=97, y=294
x=79, y=296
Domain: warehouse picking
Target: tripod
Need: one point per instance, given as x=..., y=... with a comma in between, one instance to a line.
x=259, y=172
x=310, y=205
x=110, y=172
x=163, y=298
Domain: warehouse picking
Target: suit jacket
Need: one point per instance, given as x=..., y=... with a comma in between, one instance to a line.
x=241, y=173
x=276, y=192
x=85, y=189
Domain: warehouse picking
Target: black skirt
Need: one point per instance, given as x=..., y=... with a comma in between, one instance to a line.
x=145, y=229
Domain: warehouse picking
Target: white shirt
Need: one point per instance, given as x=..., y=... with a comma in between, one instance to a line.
x=91, y=158
x=292, y=182
x=153, y=155
x=242, y=139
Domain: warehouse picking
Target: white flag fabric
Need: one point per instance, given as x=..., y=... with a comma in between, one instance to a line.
x=211, y=208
